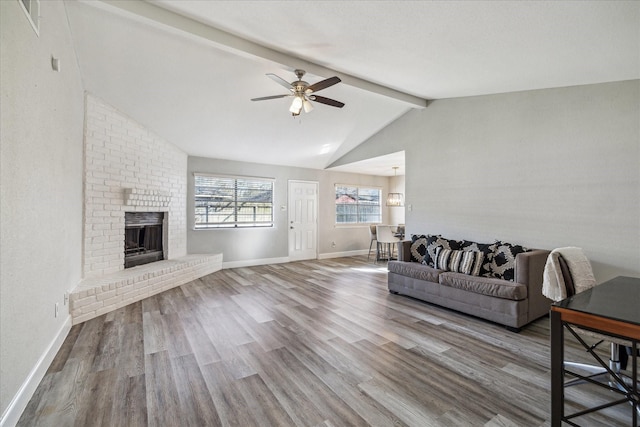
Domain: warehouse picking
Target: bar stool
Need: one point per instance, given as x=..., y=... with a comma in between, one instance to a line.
x=386, y=241
x=373, y=237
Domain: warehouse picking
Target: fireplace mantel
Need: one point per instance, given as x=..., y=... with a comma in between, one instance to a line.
x=145, y=197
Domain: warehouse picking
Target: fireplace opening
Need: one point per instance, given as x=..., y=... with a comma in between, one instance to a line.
x=142, y=238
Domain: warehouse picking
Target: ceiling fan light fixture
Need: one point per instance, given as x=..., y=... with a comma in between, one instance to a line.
x=296, y=105
x=303, y=93
x=308, y=106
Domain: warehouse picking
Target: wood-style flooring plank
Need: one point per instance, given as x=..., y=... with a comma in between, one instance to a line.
x=262, y=333
x=342, y=378
x=203, y=349
x=253, y=307
x=99, y=398
x=304, y=401
x=163, y=401
x=262, y=403
x=130, y=352
x=196, y=404
x=311, y=343
x=228, y=401
x=131, y=407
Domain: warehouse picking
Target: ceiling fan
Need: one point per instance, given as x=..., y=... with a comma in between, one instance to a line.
x=303, y=93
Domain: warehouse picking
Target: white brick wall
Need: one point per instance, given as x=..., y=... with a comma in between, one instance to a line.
x=121, y=154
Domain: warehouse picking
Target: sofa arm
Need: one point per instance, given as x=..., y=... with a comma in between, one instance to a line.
x=528, y=271
x=530, y=265
x=404, y=250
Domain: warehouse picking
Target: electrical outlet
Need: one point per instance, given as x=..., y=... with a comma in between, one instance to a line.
x=56, y=310
x=66, y=297
x=333, y=244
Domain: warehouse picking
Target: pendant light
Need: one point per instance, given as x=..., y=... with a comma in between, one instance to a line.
x=395, y=199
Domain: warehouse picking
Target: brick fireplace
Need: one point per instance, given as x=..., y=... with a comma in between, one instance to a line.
x=131, y=173
x=128, y=169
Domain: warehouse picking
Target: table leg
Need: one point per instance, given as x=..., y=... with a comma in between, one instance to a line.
x=557, y=369
x=634, y=378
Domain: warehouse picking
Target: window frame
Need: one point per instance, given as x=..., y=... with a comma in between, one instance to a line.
x=235, y=200
x=358, y=214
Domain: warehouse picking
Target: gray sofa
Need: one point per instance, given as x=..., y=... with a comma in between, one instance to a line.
x=506, y=290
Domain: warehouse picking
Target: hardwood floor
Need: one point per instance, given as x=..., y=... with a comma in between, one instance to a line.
x=313, y=343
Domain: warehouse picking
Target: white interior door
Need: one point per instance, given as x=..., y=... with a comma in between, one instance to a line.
x=303, y=220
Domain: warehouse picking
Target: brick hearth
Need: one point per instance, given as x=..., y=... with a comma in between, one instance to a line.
x=96, y=296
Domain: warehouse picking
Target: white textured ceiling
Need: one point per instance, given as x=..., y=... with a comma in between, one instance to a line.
x=192, y=83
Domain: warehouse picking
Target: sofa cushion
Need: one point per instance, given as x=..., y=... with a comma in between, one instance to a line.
x=467, y=262
x=434, y=242
x=414, y=270
x=418, y=247
x=486, y=286
x=503, y=262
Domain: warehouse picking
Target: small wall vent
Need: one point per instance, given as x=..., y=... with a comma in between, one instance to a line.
x=32, y=9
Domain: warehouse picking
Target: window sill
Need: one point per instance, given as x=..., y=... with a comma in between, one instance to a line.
x=353, y=225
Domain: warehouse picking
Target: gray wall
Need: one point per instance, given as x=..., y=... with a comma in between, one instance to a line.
x=546, y=168
x=41, y=179
x=259, y=245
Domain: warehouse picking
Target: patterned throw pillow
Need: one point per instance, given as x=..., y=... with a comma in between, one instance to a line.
x=418, y=247
x=467, y=262
x=434, y=242
x=488, y=250
x=477, y=258
x=503, y=262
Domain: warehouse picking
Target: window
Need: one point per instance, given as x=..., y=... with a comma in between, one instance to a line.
x=232, y=202
x=356, y=205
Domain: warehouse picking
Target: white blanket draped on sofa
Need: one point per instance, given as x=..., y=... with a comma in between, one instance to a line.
x=553, y=285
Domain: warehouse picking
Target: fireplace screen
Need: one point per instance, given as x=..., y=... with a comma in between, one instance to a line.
x=142, y=238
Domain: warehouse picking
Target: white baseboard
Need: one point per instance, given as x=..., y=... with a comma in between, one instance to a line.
x=253, y=262
x=19, y=402
x=343, y=254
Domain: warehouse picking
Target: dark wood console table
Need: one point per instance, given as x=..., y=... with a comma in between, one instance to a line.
x=612, y=308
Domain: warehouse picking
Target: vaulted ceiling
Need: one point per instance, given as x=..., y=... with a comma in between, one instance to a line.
x=188, y=69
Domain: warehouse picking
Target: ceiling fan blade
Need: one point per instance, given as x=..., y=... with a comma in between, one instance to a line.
x=323, y=84
x=327, y=101
x=280, y=81
x=264, y=98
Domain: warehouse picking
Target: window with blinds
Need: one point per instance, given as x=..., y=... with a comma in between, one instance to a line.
x=233, y=202
x=358, y=205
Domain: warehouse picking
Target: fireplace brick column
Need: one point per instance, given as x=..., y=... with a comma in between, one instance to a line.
x=122, y=156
